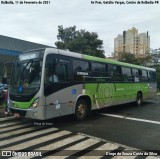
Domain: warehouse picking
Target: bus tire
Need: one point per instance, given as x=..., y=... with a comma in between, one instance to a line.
x=81, y=110
x=139, y=99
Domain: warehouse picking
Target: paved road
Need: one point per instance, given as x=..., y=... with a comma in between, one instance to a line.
x=140, y=130
x=26, y=135
x=108, y=131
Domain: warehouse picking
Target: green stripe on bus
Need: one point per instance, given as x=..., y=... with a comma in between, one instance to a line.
x=97, y=59
x=23, y=105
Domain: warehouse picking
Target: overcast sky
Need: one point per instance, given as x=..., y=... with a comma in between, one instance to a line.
x=39, y=23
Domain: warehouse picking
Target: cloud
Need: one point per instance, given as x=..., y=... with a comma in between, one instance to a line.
x=39, y=23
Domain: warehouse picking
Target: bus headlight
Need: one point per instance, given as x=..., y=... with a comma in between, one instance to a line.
x=35, y=103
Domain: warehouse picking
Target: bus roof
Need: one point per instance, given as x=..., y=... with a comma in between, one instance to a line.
x=117, y=63
x=93, y=58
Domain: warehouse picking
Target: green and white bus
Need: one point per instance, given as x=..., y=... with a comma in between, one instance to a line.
x=48, y=83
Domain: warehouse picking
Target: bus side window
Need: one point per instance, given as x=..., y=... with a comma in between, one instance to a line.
x=99, y=72
x=55, y=73
x=144, y=76
x=48, y=74
x=126, y=73
x=81, y=70
x=60, y=73
x=114, y=73
x=151, y=76
x=135, y=75
x=140, y=75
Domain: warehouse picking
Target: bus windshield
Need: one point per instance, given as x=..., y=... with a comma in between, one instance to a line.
x=26, y=75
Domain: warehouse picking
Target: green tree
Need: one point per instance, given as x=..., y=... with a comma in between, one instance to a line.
x=80, y=41
x=127, y=57
x=130, y=58
x=155, y=56
x=144, y=61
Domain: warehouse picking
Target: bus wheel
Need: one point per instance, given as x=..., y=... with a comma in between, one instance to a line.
x=139, y=99
x=81, y=110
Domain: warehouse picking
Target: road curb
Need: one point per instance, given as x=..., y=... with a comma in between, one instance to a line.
x=7, y=118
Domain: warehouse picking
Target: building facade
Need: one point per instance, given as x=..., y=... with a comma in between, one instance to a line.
x=132, y=42
x=9, y=49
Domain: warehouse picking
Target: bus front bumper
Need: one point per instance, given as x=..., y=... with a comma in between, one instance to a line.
x=27, y=113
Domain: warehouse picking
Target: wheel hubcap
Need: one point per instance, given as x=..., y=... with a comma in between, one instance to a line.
x=81, y=109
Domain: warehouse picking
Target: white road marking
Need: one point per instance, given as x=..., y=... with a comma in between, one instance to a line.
x=7, y=118
x=129, y=118
x=61, y=143
x=38, y=141
x=83, y=145
x=17, y=132
x=22, y=137
x=107, y=146
x=77, y=147
x=12, y=124
x=15, y=126
x=108, y=142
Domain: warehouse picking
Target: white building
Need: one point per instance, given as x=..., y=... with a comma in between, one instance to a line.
x=132, y=42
